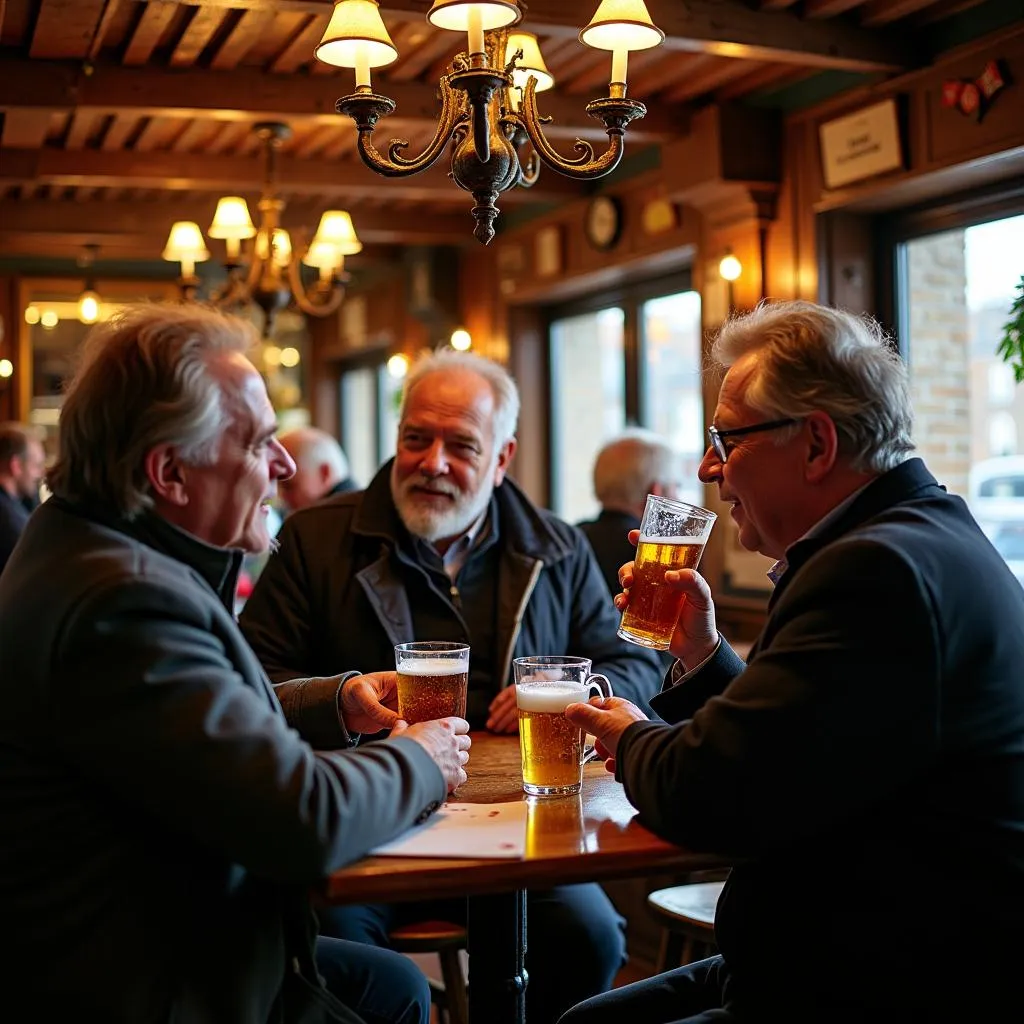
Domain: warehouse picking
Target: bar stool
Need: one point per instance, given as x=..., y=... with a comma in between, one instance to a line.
x=445, y=939
x=687, y=916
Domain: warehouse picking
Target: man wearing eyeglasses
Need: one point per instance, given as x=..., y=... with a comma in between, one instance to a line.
x=867, y=763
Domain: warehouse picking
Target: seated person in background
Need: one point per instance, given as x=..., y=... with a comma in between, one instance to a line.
x=626, y=470
x=162, y=821
x=22, y=465
x=866, y=766
x=442, y=546
x=321, y=468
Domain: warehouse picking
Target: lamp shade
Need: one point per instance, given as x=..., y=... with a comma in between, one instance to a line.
x=454, y=14
x=324, y=255
x=336, y=229
x=185, y=242
x=356, y=31
x=231, y=219
x=532, y=62
x=621, y=25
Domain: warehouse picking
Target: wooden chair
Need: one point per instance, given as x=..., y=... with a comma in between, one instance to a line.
x=445, y=939
x=687, y=916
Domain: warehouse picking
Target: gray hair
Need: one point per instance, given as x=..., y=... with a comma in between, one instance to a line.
x=503, y=387
x=311, y=447
x=144, y=378
x=628, y=465
x=814, y=358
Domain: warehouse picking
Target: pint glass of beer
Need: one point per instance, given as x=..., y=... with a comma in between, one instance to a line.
x=552, y=748
x=432, y=679
x=672, y=536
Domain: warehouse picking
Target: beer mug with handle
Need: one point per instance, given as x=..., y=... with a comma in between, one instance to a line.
x=553, y=749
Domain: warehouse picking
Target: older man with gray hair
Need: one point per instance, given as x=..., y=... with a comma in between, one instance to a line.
x=321, y=468
x=627, y=469
x=164, y=812
x=443, y=546
x=22, y=465
x=868, y=759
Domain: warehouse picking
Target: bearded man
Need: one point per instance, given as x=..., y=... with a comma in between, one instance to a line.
x=442, y=546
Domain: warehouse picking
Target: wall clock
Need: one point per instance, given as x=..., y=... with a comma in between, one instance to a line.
x=603, y=222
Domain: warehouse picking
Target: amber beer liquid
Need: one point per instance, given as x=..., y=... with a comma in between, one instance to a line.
x=650, y=619
x=551, y=746
x=430, y=688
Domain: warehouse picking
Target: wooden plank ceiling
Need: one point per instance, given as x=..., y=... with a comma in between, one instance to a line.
x=121, y=116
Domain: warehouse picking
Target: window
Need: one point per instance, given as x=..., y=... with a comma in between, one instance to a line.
x=955, y=288
x=630, y=357
x=369, y=416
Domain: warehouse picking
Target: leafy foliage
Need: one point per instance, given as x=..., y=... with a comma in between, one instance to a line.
x=1011, y=347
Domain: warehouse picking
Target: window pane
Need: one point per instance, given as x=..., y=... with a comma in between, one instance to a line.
x=390, y=399
x=673, y=406
x=358, y=422
x=588, y=403
x=968, y=413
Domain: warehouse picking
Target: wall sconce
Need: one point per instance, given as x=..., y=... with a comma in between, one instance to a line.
x=461, y=340
x=730, y=268
x=398, y=366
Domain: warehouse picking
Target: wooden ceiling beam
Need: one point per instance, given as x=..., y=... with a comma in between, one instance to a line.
x=253, y=95
x=726, y=27
x=178, y=172
x=126, y=220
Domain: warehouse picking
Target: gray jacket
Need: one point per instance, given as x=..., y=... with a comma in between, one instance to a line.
x=160, y=822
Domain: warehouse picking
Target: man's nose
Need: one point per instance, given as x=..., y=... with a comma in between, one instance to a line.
x=710, y=468
x=283, y=464
x=434, y=461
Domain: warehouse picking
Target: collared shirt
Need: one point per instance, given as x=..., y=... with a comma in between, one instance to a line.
x=455, y=557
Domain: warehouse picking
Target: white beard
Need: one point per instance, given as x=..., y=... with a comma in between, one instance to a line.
x=432, y=524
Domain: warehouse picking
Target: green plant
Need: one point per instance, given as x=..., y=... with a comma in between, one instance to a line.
x=1011, y=346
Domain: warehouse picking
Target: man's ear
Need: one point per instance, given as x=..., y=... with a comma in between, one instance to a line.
x=167, y=475
x=823, y=445
x=508, y=449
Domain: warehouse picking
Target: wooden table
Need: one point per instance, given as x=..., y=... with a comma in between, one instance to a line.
x=587, y=838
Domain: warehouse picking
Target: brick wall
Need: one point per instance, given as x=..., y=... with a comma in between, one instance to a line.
x=939, y=356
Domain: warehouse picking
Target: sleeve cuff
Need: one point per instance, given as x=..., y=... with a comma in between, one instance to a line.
x=680, y=673
x=312, y=709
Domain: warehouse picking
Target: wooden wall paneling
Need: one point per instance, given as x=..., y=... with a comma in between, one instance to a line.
x=10, y=333
x=528, y=364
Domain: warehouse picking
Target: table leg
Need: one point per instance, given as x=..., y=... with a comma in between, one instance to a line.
x=497, y=953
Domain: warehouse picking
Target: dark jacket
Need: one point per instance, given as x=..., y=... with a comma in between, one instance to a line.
x=867, y=765
x=332, y=598
x=160, y=823
x=13, y=517
x=609, y=537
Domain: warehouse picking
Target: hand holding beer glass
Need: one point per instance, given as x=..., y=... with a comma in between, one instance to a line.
x=552, y=747
x=672, y=536
x=433, y=677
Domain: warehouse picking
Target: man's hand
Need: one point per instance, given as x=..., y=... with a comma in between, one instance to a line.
x=607, y=718
x=369, y=703
x=503, y=714
x=446, y=740
x=696, y=635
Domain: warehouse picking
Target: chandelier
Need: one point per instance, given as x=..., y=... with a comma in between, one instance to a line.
x=487, y=112
x=272, y=278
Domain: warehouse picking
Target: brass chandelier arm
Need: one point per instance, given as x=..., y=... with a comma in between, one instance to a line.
x=615, y=112
x=367, y=108
x=305, y=303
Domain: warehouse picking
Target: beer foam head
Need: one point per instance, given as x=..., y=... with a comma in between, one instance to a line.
x=553, y=698
x=432, y=666
x=680, y=541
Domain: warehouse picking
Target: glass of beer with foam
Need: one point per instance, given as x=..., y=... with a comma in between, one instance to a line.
x=552, y=748
x=433, y=676
x=672, y=536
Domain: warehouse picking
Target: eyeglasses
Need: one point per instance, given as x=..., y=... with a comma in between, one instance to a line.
x=718, y=436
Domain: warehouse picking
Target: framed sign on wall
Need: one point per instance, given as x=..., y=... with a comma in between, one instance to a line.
x=861, y=145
